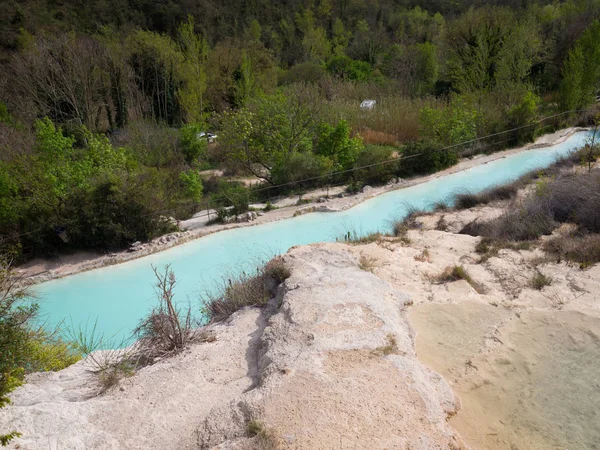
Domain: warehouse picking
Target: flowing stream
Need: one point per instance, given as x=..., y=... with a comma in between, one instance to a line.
x=116, y=297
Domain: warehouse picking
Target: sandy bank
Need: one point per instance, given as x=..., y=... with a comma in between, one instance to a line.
x=40, y=270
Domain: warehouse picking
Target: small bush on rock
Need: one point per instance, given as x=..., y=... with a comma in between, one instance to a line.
x=246, y=290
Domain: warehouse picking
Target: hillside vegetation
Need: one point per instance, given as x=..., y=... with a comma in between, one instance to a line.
x=103, y=104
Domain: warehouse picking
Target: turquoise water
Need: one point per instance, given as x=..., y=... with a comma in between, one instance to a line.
x=116, y=297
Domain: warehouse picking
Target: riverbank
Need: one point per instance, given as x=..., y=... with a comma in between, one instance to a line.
x=40, y=270
x=364, y=346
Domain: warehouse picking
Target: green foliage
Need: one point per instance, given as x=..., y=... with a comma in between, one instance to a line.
x=23, y=350
x=307, y=72
x=375, y=156
x=5, y=116
x=491, y=47
x=266, y=136
x=424, y=157
x=581, y=71
x=451, y=125
x=193, y=145
x=48, y=352
x=193, y=184
x=301, y=166
x=65, y=167
x=524, y=114
x=191, y=72
x=349, y=69
x=153, y=75
x=336, y=144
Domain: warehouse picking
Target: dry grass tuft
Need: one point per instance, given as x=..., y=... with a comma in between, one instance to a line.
x=372, y=137
x=468, y=200
x=390, y=348
x=582, y=249
x=456, y=273
x=539, y=281
x=423, y=256
x=167, y=329
x=367, y=263
x=441, y=224
x=246, y=290
x=266, y=438
x=353, y=237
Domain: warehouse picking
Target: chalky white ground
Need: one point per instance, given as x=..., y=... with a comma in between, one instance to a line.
x=522, y=363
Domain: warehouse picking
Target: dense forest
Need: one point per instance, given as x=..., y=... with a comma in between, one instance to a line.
x=105, y=104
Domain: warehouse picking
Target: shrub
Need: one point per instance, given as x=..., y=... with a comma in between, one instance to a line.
x=23, y=349
x=167, y=329
x=336, y=144
x=349, y=69
x=451, y=125
x=382, y=164
x=307, y=72
x=584, y=249
x=301, y=166
x=527, y=222
x=419, y=157
x=468, y=200
x=568, y=198
x=539, y=281
x=524, y=114
x=246, y=290
x=193, y=146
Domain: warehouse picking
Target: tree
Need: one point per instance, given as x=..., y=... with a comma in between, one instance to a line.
x=451, y=125
x=581, y=71
x=64, y=78
x=157, y=61
x=271, y=131
x=336, y=144
x=348, y=69
x=191, y=72
x=193, y=184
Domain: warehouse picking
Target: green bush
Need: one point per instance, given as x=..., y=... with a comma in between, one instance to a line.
x=349, y=69
x=307, y=72
x=301, y=166
x=193, y=146
x=524, y=114
x=336, y=144
x=380, y=158
x=23, y=349
x=451, y=125
x=421, y=157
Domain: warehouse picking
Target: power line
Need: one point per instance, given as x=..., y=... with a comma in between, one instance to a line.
x=331, y=174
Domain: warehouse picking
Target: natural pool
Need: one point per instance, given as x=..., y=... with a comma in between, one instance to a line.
x=116, y=297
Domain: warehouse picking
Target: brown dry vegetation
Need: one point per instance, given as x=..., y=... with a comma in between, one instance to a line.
x=246, y=290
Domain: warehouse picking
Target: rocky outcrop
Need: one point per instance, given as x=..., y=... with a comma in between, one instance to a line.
x=330, y=363
x=337, y=368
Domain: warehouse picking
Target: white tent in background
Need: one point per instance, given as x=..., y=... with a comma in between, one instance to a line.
x=367, y=104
